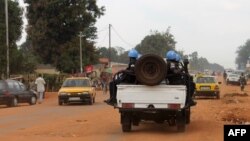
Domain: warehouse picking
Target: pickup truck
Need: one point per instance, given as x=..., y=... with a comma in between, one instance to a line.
x=161, y=92
x=160, y=103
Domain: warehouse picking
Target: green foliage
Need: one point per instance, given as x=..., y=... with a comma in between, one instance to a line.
x=54, y=26
x=200, y=63
x=70, y=57
x=118, y=54
x=54, y=81
x=15, y=26
x=123, y=58
x=157, y=43
x=243, y=54
x=108, y=53
x=29, y=61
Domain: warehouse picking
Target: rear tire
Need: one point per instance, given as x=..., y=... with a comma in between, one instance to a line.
x=126, y=122
x=181, y=121
x=188, y=114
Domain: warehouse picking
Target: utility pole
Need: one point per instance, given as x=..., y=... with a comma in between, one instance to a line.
x=109, y=45
x=81, y=35
x=7, y=39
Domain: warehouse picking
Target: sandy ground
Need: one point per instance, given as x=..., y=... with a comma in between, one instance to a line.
x=100, y=122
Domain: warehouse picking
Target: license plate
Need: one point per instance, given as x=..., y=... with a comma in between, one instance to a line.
x=74, y=98
x=205, y=88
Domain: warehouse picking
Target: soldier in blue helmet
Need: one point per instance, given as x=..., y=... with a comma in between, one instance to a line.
x=177, y=74
x=133, y=55
x=173, y=66
x=123, y=76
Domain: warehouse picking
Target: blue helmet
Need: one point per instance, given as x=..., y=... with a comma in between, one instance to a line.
x=133, y=53
x=178, y=57
x=171, y=55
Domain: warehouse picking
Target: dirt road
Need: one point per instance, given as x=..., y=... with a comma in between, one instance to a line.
x=100, y=122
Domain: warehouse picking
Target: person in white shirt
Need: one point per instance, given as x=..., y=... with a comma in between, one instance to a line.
x=40, y=87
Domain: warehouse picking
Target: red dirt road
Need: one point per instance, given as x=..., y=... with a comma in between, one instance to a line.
x=100, y=122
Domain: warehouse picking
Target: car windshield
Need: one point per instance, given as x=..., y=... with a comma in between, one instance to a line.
x=205, y=80
x=76, y=83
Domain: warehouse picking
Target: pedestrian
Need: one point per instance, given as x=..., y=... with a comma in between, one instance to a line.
x=104, y=79
x=242, y=82
x=40, y=88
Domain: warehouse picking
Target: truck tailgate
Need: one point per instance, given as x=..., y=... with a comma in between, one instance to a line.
x=160, y=96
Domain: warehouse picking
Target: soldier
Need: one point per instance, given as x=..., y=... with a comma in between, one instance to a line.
x=177, y=74
x=123, y=76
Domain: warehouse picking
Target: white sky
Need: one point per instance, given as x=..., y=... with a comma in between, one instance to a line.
x=213, y=28
x=25, y=22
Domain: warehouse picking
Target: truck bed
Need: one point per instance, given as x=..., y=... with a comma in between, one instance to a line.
x=157, y=97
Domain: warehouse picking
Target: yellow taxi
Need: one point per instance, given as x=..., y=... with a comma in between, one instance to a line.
x=206, y=86
x=77, y=89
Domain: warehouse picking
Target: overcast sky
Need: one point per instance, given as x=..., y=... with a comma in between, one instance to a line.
x=213, y=28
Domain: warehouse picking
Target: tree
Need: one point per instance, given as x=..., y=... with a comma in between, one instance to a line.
x=243, y=54
x=106, y=53
x=69, y=60
x=157, y=43
x=215, y=66
x=120, y=50
x=200, y=63
x=194, y=65
x=54, y=26
x=29, y=61
x=123, y=58
x=15, y=27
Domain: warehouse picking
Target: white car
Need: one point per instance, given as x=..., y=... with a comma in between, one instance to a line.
x=233, y=79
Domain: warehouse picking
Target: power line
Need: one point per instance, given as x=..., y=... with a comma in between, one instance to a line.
x=120, y=37
x=103, y=29
x=104, y=38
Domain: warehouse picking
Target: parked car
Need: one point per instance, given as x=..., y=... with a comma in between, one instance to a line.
x=233, y=79
x=77, y=89
x=13, y=92
x=207, y=86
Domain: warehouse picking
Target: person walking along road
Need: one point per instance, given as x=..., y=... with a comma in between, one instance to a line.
x=40, y=88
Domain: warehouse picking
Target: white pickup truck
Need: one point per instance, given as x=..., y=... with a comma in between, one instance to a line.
x=161, y=103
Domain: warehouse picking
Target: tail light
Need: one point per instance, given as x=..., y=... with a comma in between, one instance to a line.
x=174, y=106
x=128, y=105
